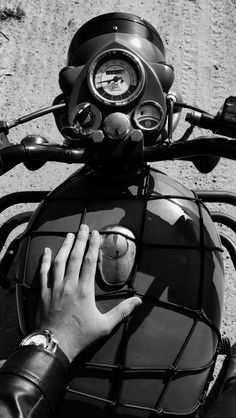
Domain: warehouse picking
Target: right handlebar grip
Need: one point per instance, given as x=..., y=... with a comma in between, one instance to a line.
x=202, y=120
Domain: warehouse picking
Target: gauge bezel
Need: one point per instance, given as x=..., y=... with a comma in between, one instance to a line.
x=161, y=122
x=116, y=53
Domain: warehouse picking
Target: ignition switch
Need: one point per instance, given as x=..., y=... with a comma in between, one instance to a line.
x=86, y=118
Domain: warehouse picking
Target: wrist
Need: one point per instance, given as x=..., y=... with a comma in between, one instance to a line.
x=67, y=342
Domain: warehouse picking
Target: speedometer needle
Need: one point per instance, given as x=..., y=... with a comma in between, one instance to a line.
x=110, y=80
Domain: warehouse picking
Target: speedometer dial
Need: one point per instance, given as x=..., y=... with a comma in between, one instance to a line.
x=116, y=77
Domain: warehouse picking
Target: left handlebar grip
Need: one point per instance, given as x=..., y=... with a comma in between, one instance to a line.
x=10, y=157
x=16, y=154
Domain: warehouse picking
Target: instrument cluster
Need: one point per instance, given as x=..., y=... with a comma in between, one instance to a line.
x=115, y=94
x=116, y=78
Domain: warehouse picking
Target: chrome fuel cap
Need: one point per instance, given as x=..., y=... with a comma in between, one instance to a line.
x=117, y=255
x=115, y=245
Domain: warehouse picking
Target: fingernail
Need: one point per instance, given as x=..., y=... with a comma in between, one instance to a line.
x=94, y=234
x=69, y=235
x=137, y=300
x=83, y=227
x=46, y=251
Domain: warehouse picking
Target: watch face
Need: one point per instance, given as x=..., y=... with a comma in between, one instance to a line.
x=43, y=339
x=39, y=339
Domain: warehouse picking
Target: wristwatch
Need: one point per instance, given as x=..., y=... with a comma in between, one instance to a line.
x=46, y=340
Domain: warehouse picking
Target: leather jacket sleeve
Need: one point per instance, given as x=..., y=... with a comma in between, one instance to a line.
x=32, y=381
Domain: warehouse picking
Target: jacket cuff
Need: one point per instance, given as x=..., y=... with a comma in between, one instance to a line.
x=48, y=371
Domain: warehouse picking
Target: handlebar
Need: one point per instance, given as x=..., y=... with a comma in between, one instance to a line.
x=13, y=155
x=34, y=153
x=201, y=146
x=16, y=154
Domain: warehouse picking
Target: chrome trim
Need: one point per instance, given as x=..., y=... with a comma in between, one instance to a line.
x=162, y=120
x=138, y=66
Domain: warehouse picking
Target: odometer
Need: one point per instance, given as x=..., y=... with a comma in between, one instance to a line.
x=116, y=77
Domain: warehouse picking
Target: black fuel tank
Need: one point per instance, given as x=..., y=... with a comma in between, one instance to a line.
x=168, y=251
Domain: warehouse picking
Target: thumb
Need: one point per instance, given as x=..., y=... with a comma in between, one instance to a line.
x=121, y=311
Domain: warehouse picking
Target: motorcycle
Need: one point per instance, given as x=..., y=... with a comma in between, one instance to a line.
x=117, y=115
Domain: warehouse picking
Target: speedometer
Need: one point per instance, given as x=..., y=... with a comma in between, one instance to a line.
x=116, y=77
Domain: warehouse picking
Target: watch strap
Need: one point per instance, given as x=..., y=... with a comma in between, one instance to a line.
x=59, y=353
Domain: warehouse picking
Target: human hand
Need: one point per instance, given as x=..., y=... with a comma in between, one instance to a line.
x=68, y=307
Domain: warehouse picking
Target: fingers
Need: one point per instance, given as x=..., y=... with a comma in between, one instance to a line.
x=121, y=311
x=59, y=264
x=44, y=269
x=77, y=255
x=90, y=261
x=68, y=261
